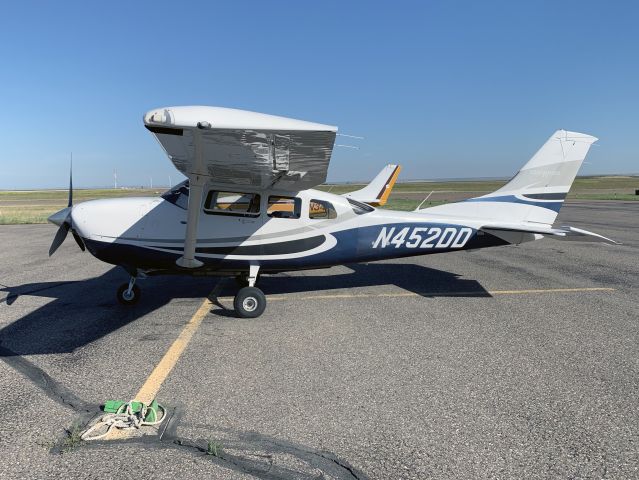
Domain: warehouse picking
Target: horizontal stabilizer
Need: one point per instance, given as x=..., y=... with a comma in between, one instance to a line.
x=565, y=232
x=377, y=192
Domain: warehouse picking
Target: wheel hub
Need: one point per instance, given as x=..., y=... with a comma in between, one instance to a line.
x=249, y=304
x=128, y=295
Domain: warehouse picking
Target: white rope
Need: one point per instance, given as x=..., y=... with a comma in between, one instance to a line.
x=124, y=418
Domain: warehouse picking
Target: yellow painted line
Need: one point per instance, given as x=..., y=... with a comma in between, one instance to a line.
x=149, y=390
x=277, y=298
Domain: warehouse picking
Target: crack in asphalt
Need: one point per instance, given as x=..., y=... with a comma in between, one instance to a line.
x=53, y=389
x=251, y=462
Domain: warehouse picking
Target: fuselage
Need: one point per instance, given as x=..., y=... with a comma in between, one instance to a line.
x=278, y=231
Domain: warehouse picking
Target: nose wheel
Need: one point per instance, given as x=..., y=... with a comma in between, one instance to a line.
x=129, y=293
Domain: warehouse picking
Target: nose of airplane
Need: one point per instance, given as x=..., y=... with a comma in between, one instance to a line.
x=112, y=218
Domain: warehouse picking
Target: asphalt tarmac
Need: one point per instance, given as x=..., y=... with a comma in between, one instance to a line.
x=510, y=362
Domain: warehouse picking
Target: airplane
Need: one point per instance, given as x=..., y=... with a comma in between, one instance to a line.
x=249, y=207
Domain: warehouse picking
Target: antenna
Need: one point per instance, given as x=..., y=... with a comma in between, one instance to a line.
x=424, y=201
x=349, y=136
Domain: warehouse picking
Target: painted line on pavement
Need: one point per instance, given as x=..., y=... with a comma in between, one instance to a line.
x=278, y=298
x=152, y=385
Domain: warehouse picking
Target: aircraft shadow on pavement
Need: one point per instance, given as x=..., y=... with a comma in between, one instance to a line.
x=84, y=311
x=424, y=281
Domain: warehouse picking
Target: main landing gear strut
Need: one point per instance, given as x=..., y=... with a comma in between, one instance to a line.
x=250, y=301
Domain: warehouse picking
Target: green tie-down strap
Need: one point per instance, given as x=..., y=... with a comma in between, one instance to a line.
x=118, y=406
x=125, y=415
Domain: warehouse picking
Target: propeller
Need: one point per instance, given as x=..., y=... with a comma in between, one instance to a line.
x=63, y=220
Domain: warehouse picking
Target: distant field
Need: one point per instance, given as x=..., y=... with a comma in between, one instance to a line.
x=36, y=205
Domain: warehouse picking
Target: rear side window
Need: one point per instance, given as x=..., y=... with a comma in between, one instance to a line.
x=232, y=203
x=321, y=209
x=284, y=207
x=359, y=208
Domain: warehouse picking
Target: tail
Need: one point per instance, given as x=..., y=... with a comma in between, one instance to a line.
x=377, y=192
x=537, y=192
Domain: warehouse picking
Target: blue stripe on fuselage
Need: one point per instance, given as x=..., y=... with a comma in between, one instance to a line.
x=362, y=244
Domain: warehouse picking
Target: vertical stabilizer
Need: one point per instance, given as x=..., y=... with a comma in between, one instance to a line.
x=537, y=191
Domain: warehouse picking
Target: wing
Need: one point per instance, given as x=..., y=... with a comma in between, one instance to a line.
x=240, y=148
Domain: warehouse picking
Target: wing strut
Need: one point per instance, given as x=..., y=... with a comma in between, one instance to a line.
x=196, y=188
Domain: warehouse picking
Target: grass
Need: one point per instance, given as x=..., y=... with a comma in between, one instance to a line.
x=36, y=205
x=72, y=440
x=214, y=447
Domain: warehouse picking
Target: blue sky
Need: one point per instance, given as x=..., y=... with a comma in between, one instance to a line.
x=447, y=89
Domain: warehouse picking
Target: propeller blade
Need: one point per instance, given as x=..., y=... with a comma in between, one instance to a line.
x=60, y=235
x=71, y=182
x=78, y=240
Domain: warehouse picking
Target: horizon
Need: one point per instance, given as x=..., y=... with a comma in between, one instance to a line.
x=346, y=182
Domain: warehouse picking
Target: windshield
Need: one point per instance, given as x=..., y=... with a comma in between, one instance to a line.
x=358, y=207
x=178, y=195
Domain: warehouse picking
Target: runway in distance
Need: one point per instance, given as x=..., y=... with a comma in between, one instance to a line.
x=249, y=206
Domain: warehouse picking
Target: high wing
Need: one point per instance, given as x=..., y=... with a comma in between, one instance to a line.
x=240, y=148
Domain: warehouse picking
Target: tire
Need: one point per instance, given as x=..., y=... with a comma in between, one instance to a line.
x=124, y=299
x=249, y=302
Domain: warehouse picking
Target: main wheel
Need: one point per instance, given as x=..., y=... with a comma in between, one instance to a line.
x=128, y=298
x=249, y=302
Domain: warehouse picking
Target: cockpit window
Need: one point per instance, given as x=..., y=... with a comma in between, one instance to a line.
x=178, y=195
x=359, y=208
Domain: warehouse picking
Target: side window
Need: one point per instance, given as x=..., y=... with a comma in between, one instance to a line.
x=321, y=209
x=232, y=203
x=284, y=207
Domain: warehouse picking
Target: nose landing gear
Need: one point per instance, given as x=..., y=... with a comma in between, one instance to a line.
x=129, y=293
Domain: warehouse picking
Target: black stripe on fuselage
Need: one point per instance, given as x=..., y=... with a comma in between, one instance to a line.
x=279, y=248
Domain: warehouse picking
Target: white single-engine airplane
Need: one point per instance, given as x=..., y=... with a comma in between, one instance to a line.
x=249, y=207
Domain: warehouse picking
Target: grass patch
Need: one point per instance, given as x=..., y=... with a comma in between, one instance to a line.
x=408, y=205
x=72, y=440
x=213, y=447
x=605, y=196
